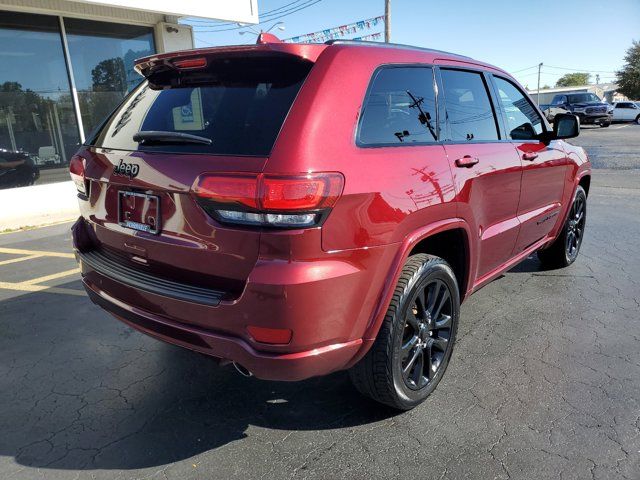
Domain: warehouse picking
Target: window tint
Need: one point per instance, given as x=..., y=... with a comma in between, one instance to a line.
x=469, y=111
x=624, y=105
x=240, y=104
x=523, y=122
x=400, y=108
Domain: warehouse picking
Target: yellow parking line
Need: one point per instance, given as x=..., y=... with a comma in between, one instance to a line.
x=20, y=259
x=35, y=281
x=25, y=287
x=19, y=251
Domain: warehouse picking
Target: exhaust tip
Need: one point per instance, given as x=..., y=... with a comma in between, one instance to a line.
x=242, y=370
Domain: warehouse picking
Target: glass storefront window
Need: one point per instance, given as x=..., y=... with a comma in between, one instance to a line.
x=102, y=56
x=38, y=129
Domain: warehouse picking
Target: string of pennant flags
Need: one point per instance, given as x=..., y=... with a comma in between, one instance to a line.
x=340, y=32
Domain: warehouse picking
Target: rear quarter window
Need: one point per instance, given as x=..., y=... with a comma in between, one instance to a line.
x=239, y=104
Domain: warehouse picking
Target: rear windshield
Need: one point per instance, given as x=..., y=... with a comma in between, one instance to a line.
x=238, y=103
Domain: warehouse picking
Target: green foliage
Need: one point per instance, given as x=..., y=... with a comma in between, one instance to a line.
x=629, y=77
x=573, y=79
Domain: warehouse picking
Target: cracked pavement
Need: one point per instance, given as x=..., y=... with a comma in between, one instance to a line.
x=544, y=381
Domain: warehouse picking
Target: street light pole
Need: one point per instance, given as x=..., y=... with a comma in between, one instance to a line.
x=387, y=21
x=538, y=94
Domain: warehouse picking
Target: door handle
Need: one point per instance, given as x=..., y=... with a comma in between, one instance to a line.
x=529, y=156
x=467, y=161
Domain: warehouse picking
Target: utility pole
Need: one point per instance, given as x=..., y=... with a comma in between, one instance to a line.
x=538, y=94
x=387, y=21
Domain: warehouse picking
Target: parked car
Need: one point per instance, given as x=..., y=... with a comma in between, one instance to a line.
x=626, y=112
x=550, y=111
x=587, y=106
x=48, y=155
x=248, y=203
x=17, y=169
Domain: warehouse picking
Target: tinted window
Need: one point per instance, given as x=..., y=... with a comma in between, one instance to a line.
x=583, y=98
x=523, y=122
x=400, y=107
x=624, y=105
x=469, y=111
x=240, y=104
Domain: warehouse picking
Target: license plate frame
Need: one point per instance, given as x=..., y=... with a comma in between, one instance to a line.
x=126, y=219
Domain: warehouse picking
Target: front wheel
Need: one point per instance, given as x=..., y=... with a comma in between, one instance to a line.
x=564, y=250
x=414, y=344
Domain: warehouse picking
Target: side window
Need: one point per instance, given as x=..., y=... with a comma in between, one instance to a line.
x=399, y=108
x=559, y=100
x=469, y=111
x=523, y=121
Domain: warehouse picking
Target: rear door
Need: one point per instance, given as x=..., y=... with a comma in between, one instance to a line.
x=486, y=170
x=544, y=167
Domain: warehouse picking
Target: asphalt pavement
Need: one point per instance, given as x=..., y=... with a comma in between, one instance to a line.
x=544, y=381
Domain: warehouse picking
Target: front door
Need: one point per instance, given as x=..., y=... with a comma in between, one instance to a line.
x=544, y=167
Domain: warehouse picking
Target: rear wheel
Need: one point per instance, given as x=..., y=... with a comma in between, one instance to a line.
x=564, y=250
x=605, y=124
x=414, y=344
x=638, y=119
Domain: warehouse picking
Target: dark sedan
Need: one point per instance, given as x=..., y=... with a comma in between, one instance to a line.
x=17, y=169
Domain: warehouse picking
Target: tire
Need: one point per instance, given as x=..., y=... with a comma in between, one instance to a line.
x=638, y=119
x=605, y=124
x=564, y=250
x=411, y=339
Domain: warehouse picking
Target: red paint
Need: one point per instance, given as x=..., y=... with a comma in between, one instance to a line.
x=325, y=289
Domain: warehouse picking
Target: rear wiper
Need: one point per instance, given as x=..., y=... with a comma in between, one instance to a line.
x=155, y=136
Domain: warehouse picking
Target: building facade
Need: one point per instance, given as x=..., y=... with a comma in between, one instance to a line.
x=67, y=64
x=606, y=91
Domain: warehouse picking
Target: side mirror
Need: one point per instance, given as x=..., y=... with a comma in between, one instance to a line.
x=565, y=125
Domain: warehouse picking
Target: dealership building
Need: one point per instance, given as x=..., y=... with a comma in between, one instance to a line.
x=66, y=64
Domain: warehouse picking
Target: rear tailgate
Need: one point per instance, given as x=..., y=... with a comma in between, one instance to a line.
x=237, y=99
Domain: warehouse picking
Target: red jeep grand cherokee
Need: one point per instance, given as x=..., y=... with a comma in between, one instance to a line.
x=302, y=209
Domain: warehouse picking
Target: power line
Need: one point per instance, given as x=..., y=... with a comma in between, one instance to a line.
x=524, y=69
x=284, y=13
x=578, y=70
x=209, y=23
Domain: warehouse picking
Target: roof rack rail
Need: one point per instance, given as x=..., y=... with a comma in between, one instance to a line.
x=391, y=45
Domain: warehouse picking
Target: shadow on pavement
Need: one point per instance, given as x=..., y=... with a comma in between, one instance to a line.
x=79, y=390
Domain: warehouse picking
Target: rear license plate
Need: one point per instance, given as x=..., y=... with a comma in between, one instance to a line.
x=139, y=211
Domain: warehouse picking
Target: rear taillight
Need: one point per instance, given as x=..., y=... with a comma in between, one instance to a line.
x=269, y=200
x=77, y=166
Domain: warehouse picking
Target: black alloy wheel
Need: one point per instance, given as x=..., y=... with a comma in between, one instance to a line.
x=413, y=347
x=427, y=330
x=575, y=226
x=565, y=248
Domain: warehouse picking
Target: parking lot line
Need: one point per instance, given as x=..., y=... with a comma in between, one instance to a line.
x=26, y=287
x=20, y=259
x=53, y=276
x=41, y=253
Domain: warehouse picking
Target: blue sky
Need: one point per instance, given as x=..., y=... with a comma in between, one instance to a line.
x=587, y=35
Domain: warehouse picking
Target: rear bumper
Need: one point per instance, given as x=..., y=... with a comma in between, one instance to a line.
x=327, y=300
x=267, y=366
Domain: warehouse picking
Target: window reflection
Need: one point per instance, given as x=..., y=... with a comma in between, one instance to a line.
x=102, y=57
x=37, y=120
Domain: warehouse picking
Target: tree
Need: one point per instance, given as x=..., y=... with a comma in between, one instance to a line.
x=629, y=77
x=573, y=79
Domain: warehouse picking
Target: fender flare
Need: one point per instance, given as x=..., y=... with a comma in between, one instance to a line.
x=405, y=248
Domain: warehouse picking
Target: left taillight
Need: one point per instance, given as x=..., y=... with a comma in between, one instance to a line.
x=280, y=201
x=77, y=167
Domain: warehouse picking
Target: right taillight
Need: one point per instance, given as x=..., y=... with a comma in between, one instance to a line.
x=281, y=201
x=77, y=166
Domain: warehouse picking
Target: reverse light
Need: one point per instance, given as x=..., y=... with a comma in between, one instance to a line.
x=269, y=200
x=77, y=166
